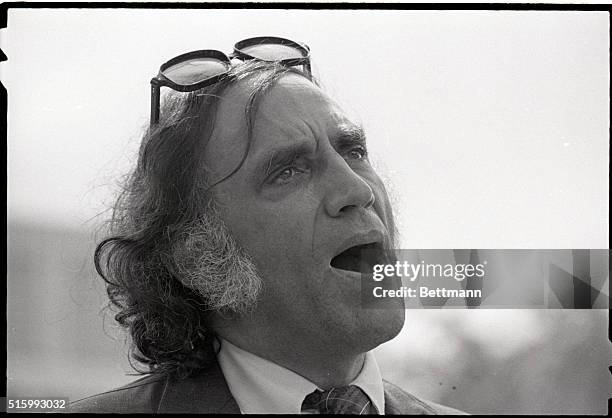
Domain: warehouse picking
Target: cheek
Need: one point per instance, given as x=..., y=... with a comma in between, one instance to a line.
x=385, y=212
x=382, y=205
x=277, y=237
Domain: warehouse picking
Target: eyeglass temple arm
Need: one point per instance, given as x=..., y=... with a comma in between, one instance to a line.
x=308, y=69
x=154, y=102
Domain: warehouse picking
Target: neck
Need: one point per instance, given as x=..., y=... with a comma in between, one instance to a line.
x=325, y=367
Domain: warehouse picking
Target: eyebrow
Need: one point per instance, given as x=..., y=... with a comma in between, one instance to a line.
x=347, y=135
x=285, y=154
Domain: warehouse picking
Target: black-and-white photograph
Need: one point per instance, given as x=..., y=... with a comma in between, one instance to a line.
x=201, y=203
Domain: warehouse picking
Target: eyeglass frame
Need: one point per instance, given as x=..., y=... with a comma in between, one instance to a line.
x=162, y=81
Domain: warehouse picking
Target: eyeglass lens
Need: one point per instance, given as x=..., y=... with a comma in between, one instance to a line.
x=272, y=52
x=195, y=70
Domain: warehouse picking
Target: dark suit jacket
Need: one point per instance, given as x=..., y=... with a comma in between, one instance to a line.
x=208, y=393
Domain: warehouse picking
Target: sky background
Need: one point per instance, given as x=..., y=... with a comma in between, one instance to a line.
x=491, y=128
x=480, y=120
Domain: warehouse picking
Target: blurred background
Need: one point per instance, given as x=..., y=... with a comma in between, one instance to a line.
x=491, y=129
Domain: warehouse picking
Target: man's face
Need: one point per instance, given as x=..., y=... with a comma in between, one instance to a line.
x=300, y=199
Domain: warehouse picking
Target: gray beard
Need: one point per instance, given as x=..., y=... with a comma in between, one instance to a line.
x=209, y=261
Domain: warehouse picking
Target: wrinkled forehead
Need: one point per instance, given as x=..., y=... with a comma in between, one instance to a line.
x=291, y=95
x=292, y=106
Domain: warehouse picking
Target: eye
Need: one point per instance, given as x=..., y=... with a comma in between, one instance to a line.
x=287, y=174
x=357, y=153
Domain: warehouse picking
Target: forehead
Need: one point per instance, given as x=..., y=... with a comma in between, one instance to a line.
x=292, y=109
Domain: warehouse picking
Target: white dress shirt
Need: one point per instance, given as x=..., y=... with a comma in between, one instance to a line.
x=260, y=386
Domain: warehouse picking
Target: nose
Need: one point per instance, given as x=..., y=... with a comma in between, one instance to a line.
x=346, y=190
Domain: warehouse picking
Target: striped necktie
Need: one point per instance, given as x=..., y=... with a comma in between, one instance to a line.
x=343, y=400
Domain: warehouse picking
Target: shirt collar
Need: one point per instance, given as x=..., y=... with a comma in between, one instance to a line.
x=370, y=381
x=261, y=386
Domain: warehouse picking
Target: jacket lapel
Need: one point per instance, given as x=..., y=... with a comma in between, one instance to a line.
x=206, y=393
x=398, y=402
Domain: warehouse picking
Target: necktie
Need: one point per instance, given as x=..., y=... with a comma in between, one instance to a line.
x=343, y=400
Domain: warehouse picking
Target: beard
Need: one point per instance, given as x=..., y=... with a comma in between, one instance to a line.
x=209, y=261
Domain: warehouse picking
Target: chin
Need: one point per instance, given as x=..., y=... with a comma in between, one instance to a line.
x=379, y=326
x=391, y=324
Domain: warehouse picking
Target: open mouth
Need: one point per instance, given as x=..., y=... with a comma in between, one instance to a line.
x=360, y=258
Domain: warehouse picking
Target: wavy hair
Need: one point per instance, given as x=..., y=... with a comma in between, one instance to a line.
x=169, y=261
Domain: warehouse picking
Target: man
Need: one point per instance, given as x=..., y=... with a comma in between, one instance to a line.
x=235, y=257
